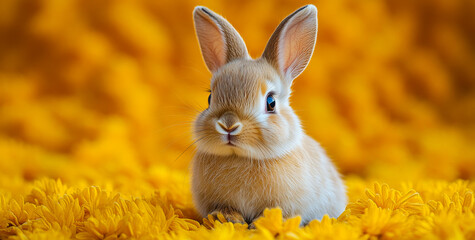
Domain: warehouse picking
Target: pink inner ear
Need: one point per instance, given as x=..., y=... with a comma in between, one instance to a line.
x=296, y=45
x=220, y=43
x=215, y=50
x=289, y=51
x=211, y=42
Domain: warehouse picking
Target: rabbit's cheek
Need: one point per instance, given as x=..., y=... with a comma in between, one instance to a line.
x=280, y=128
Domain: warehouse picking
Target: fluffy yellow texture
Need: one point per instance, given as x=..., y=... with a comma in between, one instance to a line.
x=51, y=208
x=101, y=95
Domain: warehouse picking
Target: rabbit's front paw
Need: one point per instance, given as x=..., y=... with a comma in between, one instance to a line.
x=230, y=215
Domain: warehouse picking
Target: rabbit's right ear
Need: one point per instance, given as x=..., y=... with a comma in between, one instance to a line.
x=291, y=46
x=220, y=43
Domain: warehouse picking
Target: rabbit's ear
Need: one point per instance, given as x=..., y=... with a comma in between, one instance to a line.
x=291, y=45
x=220, y=43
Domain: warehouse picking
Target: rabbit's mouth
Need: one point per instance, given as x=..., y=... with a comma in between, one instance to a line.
x=230, y=139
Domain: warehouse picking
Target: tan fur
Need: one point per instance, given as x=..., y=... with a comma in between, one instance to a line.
x=230, y=214
x=267, y=161
x=226, y=45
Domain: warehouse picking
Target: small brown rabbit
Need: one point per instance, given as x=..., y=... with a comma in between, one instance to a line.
x=252, y=153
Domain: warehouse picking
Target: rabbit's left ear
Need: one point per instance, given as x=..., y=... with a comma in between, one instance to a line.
x=220, y=43
x=291, y=45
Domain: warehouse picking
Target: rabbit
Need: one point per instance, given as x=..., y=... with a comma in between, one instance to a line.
x=251, y=152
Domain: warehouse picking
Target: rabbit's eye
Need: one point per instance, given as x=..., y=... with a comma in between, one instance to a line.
x=270, y=103
x=209, y=99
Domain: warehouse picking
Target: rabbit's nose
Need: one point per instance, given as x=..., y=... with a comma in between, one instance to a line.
x=228, y=123
x=224, y=129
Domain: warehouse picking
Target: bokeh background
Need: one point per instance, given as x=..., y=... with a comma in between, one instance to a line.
x=104, y=92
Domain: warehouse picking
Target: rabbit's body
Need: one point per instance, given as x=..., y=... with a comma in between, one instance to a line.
x=303, y=182
x=252, y=153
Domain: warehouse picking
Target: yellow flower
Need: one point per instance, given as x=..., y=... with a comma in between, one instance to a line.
x=438, y=190
x=45, y=189
x=220, y=231
x=106, y=226
x=272, y=222
x=330, y=228
x=211, y=222
x=457, y=204
x=65, y=212
x=382, y=223
x=94, y=199
x=56, y=234
x=122, y=218
x=95, y=109
x=15, y=214
x=384, y=197
x=449, y=225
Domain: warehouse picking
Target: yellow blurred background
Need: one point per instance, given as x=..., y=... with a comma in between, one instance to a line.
x=103, y=93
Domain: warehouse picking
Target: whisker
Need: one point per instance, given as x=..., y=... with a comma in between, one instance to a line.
x=188, y=148
x=176, y=125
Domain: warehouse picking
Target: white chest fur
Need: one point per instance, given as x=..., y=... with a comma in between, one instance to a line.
x=297, y=186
